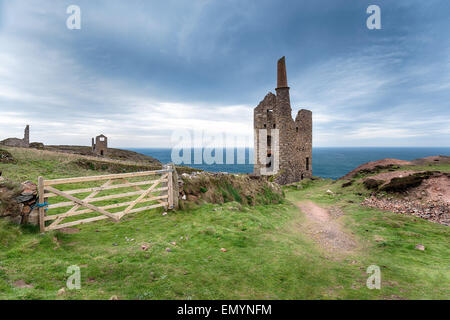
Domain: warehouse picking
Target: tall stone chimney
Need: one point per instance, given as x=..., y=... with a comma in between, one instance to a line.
x=26, y=137
x=282, y=75
x=282, y=90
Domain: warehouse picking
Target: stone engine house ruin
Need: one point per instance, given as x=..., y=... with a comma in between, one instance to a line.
x=100, y=146
x=16, y=142
x=291, y=139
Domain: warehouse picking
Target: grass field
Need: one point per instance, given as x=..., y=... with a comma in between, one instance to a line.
x=268, y=256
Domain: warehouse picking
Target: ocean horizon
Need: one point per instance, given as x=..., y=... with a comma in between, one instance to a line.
x=327, y=162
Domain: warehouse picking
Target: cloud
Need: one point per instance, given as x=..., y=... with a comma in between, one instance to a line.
x=139, y=70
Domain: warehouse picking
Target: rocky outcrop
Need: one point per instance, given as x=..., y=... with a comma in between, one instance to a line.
x=6, y=157
x=376, y=166
x=37, y=145
x=18, y=202
x=435, y=211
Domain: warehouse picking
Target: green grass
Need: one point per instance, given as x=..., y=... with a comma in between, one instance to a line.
x=33, y=163
x=268, y=256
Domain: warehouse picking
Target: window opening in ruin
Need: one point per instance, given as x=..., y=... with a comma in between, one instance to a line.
x=265, y=126
x=269, y=141
x=101, y=152
x=296, y=129
x=307, y=163
x=274, y=126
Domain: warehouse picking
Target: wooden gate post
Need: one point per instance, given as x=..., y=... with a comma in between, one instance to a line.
x=170, y=186
x=41, y=204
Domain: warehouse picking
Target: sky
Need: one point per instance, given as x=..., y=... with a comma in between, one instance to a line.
x=138, y=71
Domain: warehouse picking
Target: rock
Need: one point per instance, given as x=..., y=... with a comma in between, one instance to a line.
x=26, y=210
x=144, y=247
x=191, y=197
x=29, y=186
x=6, y=157
x=330, y=192
x=33, y=218
x=37, y=145
x=173, y=243
x=168, y=250
x=61, y=292
x=16, y=219
x=420, y=247
x=183, y=197
x=114, y=298
x=24, y=198
x=164, y=214
x=223, y=250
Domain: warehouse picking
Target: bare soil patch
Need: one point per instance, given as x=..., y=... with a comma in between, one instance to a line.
x=22, y=284
x=323, y=227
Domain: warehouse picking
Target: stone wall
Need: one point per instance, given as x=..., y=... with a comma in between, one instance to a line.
x=18, y=203
x=100, y=147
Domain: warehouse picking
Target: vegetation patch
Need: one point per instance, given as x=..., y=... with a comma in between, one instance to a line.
x=113, y=167
x=372, y=184
x=122, y=167
x=405, y=183
x=222, y=188
x=6, y=157
x=8, y=192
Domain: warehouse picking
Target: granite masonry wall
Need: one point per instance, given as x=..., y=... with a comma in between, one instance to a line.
x=294, y=136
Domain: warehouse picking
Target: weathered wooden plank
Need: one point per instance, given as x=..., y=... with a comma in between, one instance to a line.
x=112, y=206
x=88, y=220
x=170, y=191
x=105, y=177
x=115, y=186
x=142, y=196
x=114, y=196
x=77, y=206
x=145, y=208
x=41, y=202
x=75, y=223
x=81, y=202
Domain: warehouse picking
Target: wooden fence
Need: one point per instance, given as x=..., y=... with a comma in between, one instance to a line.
x=147, y=194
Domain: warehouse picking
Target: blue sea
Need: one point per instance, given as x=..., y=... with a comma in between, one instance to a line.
x=327, y=162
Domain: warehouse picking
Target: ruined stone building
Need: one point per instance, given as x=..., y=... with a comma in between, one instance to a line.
x=100, y=146
x=291, y=139
x=16, y=142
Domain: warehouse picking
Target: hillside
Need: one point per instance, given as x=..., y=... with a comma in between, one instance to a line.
x=315, y=244
x=114, y=154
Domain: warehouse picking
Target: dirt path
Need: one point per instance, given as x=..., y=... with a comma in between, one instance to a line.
x=323, y=227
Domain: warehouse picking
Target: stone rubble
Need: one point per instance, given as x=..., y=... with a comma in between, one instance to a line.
x=21, y=208
x=435, y=211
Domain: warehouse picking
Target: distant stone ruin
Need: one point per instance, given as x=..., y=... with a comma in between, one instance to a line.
x=294, y=145
x=16, y=142
x=100, y=145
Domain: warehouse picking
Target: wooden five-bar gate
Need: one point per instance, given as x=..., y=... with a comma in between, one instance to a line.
x=146, y=190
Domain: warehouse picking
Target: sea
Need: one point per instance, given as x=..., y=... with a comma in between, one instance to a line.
x=327, y=162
